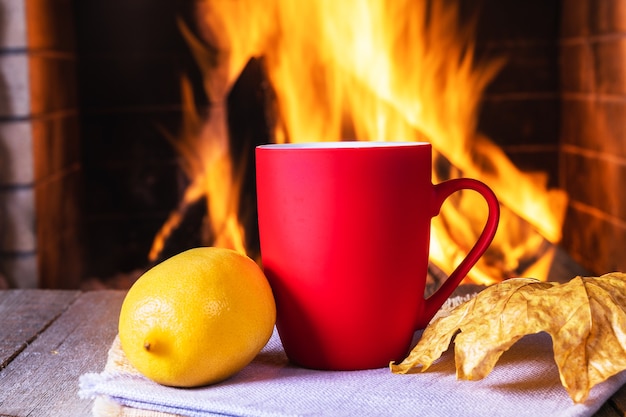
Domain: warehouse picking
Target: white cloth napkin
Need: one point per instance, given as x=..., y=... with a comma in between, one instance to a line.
x=524, y=382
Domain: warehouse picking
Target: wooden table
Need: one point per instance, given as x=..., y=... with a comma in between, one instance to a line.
x=49, y=338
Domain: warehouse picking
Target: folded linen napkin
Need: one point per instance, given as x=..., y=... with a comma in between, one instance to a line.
x=524, y=382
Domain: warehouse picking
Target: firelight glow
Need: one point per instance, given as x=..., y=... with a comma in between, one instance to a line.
x=370, y=70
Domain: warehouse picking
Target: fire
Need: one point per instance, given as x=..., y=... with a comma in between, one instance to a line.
x=375, y=70
x=204, y=148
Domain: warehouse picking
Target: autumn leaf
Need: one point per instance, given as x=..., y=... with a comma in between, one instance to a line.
x=586, y=318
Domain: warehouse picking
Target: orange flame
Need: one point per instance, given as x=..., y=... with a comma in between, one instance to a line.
x=205, y=153
x=393, y=71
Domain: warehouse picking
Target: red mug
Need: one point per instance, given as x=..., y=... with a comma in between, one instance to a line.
x=345, y=234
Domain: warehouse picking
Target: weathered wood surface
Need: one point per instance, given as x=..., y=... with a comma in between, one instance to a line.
x=49, y=338
x=40, y=373
x=23, y=316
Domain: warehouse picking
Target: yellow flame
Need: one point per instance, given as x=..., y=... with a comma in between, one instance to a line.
x=399, y=70
x=204, y=148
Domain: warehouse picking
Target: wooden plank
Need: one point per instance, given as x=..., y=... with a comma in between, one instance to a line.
x=43, y=379
x=26, y=313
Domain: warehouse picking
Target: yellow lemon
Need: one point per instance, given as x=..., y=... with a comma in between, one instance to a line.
x=197, y=317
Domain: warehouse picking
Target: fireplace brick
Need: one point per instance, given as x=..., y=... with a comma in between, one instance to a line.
x=595, y=240
x=576, y=60
x=609, y=57
x=52, y=81
x=592, y=133
x=129, y=85
x=17, y=227
x=594, y=125
x=14, y=94
x=40, y=176
x=12, y=24
x=588, y=17
x=595, y=180
x=516, y=20
x=17, y=234
x=16, y=158
x=127, y=82
x=530, y=67
x=521, y=107
x=50, y=24
x=56, y=145
x=18, y=242
x=60, y=249
x=526, y=113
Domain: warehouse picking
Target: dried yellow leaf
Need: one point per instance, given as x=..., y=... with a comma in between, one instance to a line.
x=586, y=318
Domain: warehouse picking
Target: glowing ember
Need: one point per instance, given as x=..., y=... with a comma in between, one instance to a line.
x=371, y=70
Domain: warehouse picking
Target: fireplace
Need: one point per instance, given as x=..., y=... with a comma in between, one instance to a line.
x=88, y=174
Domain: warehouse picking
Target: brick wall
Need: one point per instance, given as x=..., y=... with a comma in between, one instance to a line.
x=39, y=158
x=593, y=131
x=131, y=57
x=559, y=106
x=520, y=108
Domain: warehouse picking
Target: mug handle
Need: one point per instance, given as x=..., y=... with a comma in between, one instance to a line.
x=442, y=192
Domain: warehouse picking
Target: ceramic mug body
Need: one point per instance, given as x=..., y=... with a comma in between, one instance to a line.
x=345, y=232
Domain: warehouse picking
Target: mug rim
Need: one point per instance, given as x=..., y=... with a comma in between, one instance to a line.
x=341, y=145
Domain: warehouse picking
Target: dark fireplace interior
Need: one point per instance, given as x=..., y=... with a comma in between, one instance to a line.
x=91, y=96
